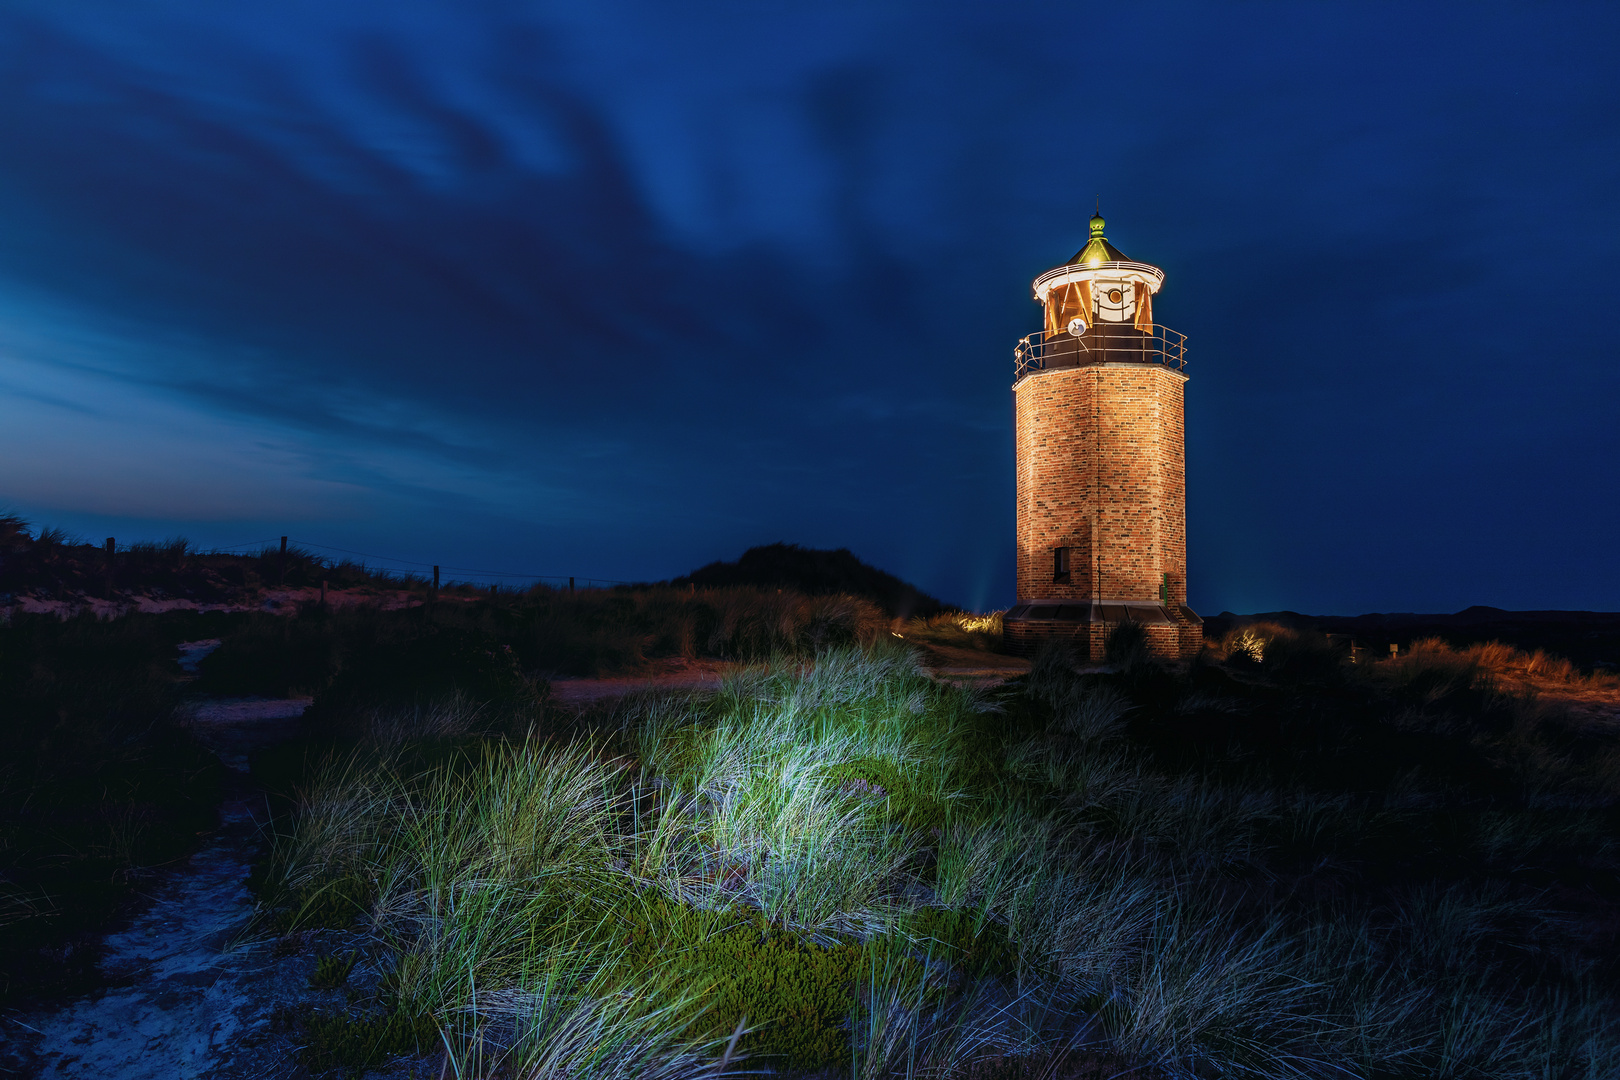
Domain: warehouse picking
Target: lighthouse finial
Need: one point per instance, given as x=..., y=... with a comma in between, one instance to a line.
x=1097, y=221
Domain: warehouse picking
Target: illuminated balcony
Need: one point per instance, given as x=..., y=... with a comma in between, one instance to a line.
x=1104, y=343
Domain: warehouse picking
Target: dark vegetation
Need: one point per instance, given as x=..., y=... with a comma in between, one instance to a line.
x=541, y=634
x=815, y=572
x=957, y=629
x=52, y=565
x=98, y=784
x=1588, y=639
x=1275, y=863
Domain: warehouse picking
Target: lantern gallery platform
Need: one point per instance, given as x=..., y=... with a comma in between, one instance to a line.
x=1102, y=344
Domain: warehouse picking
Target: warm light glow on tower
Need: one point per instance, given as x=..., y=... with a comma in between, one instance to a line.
x=1101, y=464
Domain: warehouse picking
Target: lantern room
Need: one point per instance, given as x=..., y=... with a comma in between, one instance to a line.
x=1100, y=285
x=1099, y=309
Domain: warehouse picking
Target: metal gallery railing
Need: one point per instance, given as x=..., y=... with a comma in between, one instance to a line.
x=1101, y=344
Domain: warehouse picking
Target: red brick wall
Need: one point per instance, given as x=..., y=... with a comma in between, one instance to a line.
x=1101, y=458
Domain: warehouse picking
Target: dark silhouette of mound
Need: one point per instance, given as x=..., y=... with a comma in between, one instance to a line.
x=816, y=573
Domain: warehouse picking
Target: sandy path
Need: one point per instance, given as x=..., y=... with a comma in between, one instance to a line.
x=177, y=1000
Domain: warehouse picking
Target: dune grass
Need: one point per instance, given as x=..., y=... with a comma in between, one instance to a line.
x=836, y=863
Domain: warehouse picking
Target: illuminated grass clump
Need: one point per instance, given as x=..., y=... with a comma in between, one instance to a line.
x=874, y=872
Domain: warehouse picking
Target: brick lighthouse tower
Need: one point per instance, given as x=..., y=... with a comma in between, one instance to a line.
x=1102, y=503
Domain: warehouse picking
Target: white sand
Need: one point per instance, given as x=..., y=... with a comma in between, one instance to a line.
x=180, y=998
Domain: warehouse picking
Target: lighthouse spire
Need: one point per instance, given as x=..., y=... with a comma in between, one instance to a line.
x=1097, y=250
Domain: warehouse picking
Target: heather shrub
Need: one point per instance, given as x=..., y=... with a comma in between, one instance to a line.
x=411, y=679
x=795, y=994
x=272, y=656
x=1127, y=647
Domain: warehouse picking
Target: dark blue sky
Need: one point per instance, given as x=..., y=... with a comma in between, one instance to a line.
x=618, y=289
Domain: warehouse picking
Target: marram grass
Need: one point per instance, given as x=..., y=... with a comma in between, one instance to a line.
x=840, y=864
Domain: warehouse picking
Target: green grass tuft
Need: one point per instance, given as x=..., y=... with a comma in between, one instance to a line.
x=1264, y=867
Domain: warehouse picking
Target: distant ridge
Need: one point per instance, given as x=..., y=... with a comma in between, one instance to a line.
x=1589, y=638
x=816, y=572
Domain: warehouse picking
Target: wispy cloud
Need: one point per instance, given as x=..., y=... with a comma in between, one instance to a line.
x=654, y=283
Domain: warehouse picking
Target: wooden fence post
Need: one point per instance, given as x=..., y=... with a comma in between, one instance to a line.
x=112, y=546
x=570, y=586
x=283, y=567
x=323, y=594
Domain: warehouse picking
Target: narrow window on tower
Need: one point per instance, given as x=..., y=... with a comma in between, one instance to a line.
x=1060, y=564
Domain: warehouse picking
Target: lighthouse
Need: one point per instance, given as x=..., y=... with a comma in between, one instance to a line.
x=1098, y=398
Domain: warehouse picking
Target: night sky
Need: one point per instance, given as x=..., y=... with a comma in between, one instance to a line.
x=615, y=290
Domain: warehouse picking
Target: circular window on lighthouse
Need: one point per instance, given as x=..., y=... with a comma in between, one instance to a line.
x=1116, y=301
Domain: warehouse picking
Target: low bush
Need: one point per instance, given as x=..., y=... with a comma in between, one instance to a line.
x=331, y=972
x=1127, y=647
x=354, y=1040
x=962, y=630
x=794, y=994
x=50, y=564
x=430, y=666
x=97, y=783
x=596, y=632
x=271, y=656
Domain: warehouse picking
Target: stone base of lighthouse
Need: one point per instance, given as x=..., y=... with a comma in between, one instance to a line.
x=1173, y=632
x=1101, y=509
